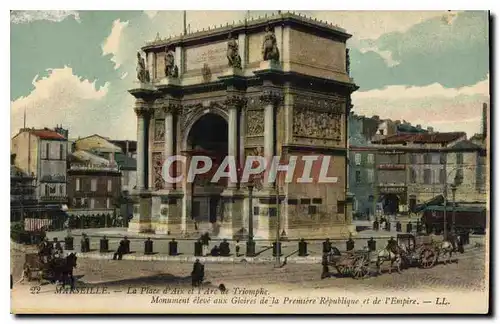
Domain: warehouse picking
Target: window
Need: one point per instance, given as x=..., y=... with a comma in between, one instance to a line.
x=61, y=190
x=370, y=198
x=312, y=210
x=77, y=184
x=459, y=177
x=305, y=201
x=370, y=158
x=427, y=176
x=357, y=158
x=317, y=201
x=460, y=158
x=442, y=158
x=436, y=177
x=93, y=185
x=47, y=150
x=427, y=158
x=436, y=158
x=61, y=151
x=109, y=185
x=272, y=212
x=442, y=176
x=369, y=176
x=413, y=159
x=413, y=176
x=108, y=203
x=92, y=203
x=340, y=207
x=256, y=210
x=292, y=201
x=358, y=176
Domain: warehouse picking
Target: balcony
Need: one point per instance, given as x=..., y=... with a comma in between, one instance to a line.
x=53, y=198
x=94, y=167
x=388, y=166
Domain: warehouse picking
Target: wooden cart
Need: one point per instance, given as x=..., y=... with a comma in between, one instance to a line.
x=34, y=266
x=420, y=250
x=353, y=263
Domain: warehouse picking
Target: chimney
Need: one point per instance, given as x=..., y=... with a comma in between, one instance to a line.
x=485, y=119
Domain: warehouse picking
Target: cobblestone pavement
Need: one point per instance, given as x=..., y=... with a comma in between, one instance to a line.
x=467, y=274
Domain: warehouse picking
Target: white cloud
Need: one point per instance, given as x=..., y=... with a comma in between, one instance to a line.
x=112, y=43
x=61, y=97
x=386, y=55
x=124, y=75
x=27, y=16
x=151, y=13
x=446, y=109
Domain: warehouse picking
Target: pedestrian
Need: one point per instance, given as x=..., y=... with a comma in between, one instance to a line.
x=120, y=251
x=237, y=248
x=205, y=238
x=197, y=274
x=325, y=273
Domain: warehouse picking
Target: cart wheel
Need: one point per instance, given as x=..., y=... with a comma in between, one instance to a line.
x=341, y=269
x=427, y=258
x=360, y=268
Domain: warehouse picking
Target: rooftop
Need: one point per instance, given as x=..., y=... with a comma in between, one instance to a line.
x=274, y=18
x=421, y=138
x=45, y=134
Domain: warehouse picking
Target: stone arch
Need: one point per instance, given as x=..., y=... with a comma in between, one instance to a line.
x=197, y=116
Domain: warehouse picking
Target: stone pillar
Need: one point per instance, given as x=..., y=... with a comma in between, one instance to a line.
x=142, y=111
x=169, y=137
x=232, y=220
x=179, y=60
x=269, y=100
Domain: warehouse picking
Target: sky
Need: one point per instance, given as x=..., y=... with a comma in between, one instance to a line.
x=74, y=67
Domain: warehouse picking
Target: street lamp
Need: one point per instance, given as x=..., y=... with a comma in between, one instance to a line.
x=453, y=192
x=250, y=242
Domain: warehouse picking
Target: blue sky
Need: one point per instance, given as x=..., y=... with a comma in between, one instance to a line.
x=74, y=68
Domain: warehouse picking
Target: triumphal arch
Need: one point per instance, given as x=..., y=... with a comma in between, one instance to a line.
x=275, y=86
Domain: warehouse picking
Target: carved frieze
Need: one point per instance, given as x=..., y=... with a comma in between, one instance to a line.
x=159, y=131
x=172, y=108
x=157, y=170
x=331, y=105
x=255, y=122
x=317, y=124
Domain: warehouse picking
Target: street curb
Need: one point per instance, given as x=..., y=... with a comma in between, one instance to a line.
x=207, y=259
x=191, y=259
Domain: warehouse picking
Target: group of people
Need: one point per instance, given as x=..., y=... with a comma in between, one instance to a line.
x=222, y=249
x=48, y=251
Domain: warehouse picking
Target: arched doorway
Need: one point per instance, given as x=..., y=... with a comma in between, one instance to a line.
x=208, y=136
x=391, y=204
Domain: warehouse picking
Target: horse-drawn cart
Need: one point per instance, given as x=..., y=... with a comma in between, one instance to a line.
x=353, y=263
x=418, y=250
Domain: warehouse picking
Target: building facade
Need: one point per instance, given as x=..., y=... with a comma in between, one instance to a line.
x=242, y=90
x=42, y=153
x=414, y=169
x=94, y=186
x=23, y=200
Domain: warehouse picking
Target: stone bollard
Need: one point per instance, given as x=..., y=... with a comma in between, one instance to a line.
x=409, y=227
x=398, y=226
x=349, y=244
x=198, y=249
x=87, y=244
x=302, y=248
x=372, y=244
x=172, y=247
x=276, y=250
x=250, y=248
x=126, y=244
x=148, y=246
x=68, y=243
x=104, y=245
x=388, y=226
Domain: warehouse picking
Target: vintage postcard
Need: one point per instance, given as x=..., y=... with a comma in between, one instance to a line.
x=285, y=162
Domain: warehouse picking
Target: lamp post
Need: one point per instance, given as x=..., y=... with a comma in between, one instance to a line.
x=250, y=243
x=453, y=192
x=278, y=261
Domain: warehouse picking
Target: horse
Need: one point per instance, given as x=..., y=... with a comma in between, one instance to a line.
x=448, y=246
x=392, y=255
x=62, y=269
